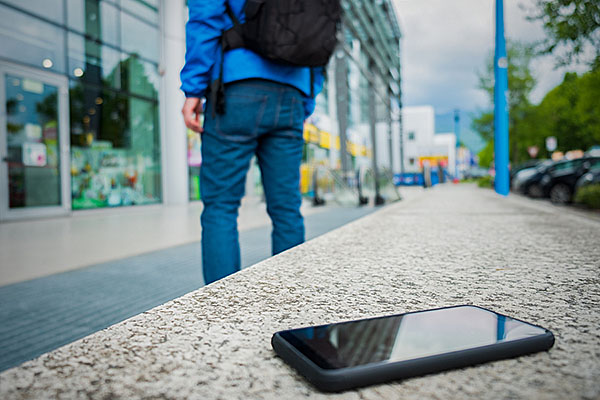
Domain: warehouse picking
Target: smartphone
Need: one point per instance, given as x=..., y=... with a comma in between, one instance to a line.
x=351, y=354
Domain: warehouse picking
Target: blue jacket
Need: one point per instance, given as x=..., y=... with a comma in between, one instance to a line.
x=207, y=19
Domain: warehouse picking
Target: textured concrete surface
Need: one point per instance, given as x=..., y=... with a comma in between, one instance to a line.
x=451, y=245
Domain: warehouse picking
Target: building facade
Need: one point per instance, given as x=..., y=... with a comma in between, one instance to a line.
x=89, y=91
x=422, y=144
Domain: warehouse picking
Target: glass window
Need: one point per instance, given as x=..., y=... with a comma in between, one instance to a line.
x=98, y=114
x=567, y=165
x=348, y=37
x=354, y=94
x=30, y=41
x=144, y=166
x=92, y=62
x=146, y=9
x=140, y=77
x=365, y=94
x=115, y=155
x=32, y=142
x=194, y=154
x=322, y=100
x=49, y=9
x=140, y=38
x=381, y=107
x=99, y=20
x=411, y=135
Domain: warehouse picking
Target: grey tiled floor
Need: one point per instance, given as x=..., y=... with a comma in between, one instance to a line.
x=40, y=315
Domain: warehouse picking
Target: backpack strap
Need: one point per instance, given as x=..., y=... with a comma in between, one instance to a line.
x=217, y=87
x=233, y=37
x=230, y=39
x=231, y=15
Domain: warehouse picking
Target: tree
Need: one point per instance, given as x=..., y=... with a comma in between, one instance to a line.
x=486, y=156
x=572, y=26
x=520, y=84
x=520, y=79
x=570, y=112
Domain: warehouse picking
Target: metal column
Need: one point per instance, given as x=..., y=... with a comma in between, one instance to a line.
x=175, y=178
x=341, y=95
x=372, y=127
x=501, y=105
x=390, y=130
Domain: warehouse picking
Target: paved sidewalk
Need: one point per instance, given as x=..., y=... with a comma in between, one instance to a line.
x=37, y=248
x=43, y=314
x=451, y=245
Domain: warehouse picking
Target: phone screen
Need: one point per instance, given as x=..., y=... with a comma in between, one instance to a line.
x=406, y=337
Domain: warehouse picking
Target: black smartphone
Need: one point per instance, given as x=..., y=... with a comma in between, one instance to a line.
x=358, y=353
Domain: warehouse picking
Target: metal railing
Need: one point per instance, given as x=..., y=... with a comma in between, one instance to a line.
x=358, y=188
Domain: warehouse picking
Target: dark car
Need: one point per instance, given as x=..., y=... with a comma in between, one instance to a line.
x=527, y=181
x=524, y=165
x=592, y=177
x=559, y=181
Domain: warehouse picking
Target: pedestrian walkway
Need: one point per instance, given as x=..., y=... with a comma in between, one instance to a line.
x=32, y=249
x=42, y=314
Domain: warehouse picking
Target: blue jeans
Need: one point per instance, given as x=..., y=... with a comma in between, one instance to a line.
x=265, y=119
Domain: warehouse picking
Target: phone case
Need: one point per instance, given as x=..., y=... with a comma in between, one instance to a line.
x=334, y=380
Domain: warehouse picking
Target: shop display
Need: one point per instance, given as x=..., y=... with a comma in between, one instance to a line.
x=106, y=177
x=194, y=154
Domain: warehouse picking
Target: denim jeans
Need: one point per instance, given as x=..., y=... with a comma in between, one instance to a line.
x=265, y=119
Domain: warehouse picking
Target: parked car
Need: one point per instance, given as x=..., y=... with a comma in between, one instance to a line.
x=589, y=178
x=560, y=179
x=527, y=181
x=524, y=165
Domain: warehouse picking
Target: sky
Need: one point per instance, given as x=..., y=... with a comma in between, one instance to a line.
x=447, y=42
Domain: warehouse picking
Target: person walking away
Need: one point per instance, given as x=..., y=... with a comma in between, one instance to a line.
x=426, y=174
x=255, y=105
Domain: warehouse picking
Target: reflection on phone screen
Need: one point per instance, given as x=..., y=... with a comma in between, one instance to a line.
x=400, y=338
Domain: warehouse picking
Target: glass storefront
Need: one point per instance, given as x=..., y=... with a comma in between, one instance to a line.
x=194, y=157
x=32, y=143
x=27, y=40
x=109, y=51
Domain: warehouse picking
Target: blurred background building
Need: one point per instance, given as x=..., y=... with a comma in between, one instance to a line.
x=422, y=143
x=90, y=99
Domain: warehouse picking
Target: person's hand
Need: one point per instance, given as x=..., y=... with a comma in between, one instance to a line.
x=192, y=108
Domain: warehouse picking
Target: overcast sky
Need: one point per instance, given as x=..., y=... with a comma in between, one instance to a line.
x=445, y=43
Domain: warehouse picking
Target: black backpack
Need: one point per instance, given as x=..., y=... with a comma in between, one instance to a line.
x=296, y=32
x=292, y=32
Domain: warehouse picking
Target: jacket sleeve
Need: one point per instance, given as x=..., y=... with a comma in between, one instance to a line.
x=318, y=81
x=203, y=30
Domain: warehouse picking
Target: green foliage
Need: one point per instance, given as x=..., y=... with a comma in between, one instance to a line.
x=485, y=182
x=520, y=84
x=486, y=156
x=520, y=79
x=589, y=195
x=484, y=125
x=570, y=112
x=572, y=26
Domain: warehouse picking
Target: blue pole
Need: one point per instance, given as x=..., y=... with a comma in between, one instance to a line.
x=501, y=105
